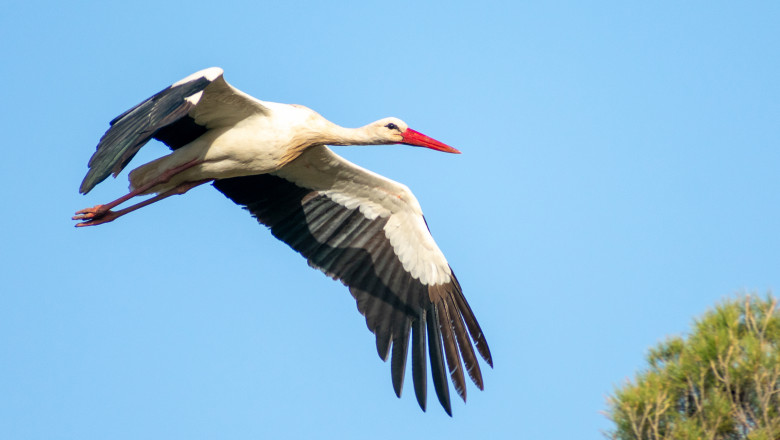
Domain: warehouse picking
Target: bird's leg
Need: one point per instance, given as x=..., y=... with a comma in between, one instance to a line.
x=109, y=216
x=99, y=211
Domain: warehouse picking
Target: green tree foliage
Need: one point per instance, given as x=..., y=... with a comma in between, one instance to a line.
x=722, y=382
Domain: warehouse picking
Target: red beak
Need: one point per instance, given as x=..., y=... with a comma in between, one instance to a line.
x=411, y=137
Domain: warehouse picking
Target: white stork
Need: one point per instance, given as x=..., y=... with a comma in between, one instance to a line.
x=354, y=225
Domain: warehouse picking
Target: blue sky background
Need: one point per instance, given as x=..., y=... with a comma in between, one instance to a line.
x=619, y=176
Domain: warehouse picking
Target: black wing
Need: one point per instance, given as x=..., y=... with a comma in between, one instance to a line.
x=353, y=247
x=176, y=115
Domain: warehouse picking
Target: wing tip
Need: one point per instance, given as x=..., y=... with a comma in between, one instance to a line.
x=484, y=350
x=89, y=182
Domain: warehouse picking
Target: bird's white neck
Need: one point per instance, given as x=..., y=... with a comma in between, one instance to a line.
x=337, y=135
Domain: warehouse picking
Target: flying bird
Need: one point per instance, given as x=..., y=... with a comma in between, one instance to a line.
x=352, y=224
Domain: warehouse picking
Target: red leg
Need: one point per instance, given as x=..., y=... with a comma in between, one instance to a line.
x=108, y=216
x=99, y=211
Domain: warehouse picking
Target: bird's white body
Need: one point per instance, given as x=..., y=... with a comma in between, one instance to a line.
x=251, y=146
x=355, y=225
x=243, y=144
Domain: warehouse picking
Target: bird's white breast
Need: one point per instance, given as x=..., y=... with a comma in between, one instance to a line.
x=258, y=144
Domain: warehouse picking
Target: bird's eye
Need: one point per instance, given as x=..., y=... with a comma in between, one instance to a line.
x=392, y=126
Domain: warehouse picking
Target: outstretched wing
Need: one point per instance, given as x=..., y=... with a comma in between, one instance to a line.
x=177, y=115
x=368, y=232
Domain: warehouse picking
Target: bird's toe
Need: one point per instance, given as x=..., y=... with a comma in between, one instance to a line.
x=89, y=213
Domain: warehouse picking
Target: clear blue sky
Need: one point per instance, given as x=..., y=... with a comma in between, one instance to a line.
x=619, y=176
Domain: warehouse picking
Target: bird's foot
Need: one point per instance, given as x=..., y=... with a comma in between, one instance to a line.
x=96, y=211
x=95, y=215
x=99, y=214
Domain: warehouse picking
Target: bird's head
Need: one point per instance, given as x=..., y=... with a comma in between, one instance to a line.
x=395, y=131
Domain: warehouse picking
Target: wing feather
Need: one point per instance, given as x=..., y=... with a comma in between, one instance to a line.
x=419, y=360
x=451, y=349
x=400, y=353
x=469, y=357
x=438, y=371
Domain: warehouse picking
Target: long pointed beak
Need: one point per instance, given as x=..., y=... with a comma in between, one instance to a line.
x=411, y=137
